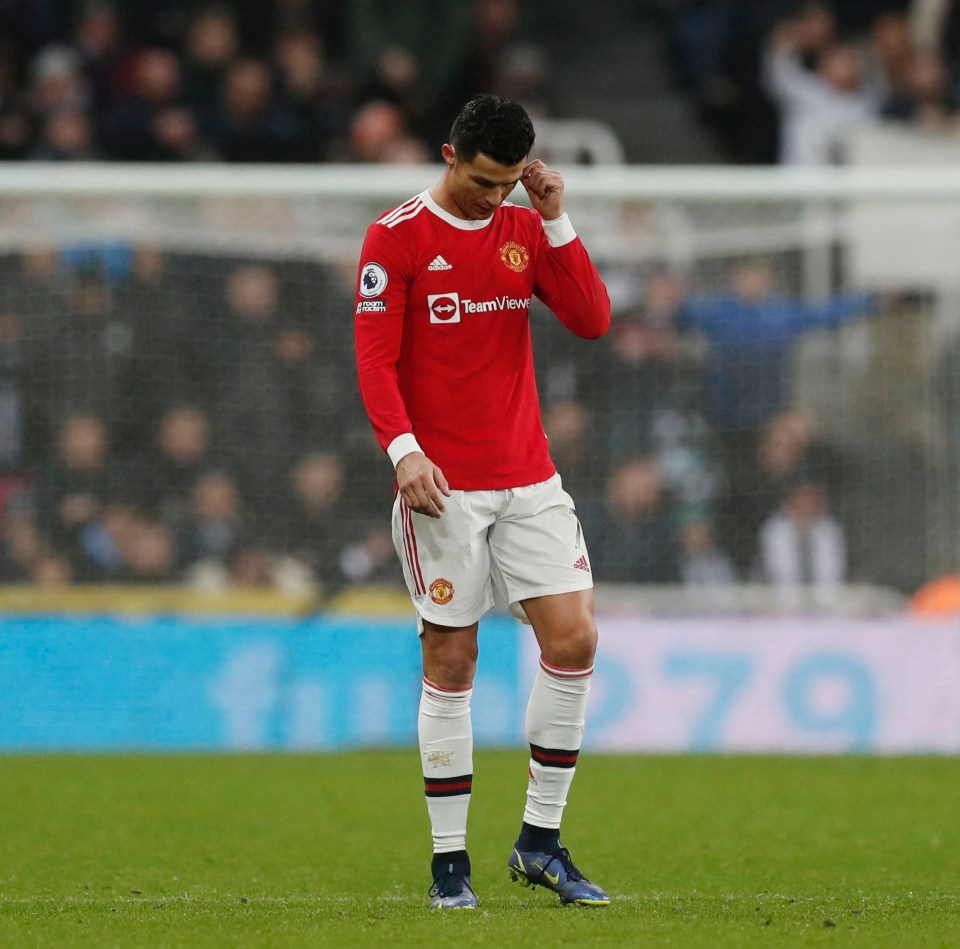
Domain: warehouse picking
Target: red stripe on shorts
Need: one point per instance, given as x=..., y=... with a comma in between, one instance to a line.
x=410, y=546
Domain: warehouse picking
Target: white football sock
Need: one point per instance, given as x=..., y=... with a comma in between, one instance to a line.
x=446, y=753
x=555, y=719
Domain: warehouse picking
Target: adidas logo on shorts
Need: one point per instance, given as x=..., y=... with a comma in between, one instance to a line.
x=438, y=263
x=582, y=564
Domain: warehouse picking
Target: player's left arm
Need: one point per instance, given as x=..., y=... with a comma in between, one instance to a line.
x=566, y=279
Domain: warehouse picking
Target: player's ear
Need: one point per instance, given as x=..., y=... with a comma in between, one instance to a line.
x=449, y=155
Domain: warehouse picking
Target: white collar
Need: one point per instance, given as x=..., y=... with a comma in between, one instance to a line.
x=459, y=222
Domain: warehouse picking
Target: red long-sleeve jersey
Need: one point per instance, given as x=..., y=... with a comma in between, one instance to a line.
x=443, y=335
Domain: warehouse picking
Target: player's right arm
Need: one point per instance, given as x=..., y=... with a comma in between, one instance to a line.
x=383, y=281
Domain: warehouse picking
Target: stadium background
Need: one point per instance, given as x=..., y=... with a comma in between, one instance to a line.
x=765, y=450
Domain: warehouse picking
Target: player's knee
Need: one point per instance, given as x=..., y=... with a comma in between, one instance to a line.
x=450, y=671
x=449, y=661
x=575, y=645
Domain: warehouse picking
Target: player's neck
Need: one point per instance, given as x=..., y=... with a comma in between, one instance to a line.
x=445, y=200
x=441, y=194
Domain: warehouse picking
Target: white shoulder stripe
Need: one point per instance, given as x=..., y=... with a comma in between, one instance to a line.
x=399, y=209
x=399, y=219
x=402, y=209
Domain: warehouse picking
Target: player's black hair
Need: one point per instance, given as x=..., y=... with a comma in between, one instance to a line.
x=498, y=127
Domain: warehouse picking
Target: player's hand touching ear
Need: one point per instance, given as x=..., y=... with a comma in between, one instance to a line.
x=545, y=188
x=421, y=484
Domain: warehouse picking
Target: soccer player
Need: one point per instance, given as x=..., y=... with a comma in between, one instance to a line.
x=445, y=367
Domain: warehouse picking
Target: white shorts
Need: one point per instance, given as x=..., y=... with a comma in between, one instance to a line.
x=491, y=548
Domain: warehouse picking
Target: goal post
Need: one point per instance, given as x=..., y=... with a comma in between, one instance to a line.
x=199, y=318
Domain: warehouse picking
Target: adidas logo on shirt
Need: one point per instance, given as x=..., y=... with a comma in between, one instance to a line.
x=582, y=564
x=438, y=263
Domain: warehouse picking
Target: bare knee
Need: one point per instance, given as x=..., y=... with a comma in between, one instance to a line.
x=565, y=628
x=449, y=656
x=573, y=646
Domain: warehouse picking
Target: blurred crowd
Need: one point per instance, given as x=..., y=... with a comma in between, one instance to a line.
x=177, y=418
x=378, y=80
x=168, y=418
x=254, y=80
x=789, y=80
x=149, y=434
x=681, y=441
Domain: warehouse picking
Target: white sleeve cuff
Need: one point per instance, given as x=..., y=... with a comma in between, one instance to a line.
x=559, y=231
x=401, y=446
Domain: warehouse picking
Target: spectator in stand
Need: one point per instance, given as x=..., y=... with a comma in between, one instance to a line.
x=493, y=25
x=368, y=559
x=644, y=368
x=67, y=136
x=56, y=82
x=15, y=126
x=924, y=98
x=759, y=480
x=148, y=121
x=573, y=447
x=715, y=49
x=280, y=398
x=649, y=396
x=42, y=284
x=122, y=545
x=750, y=331
x=370, y=494
x=634, y=523
x=311, y=91
x=888, y=55
x=819, y=108
x=801, y=545
x=165, y=477
x=253, y=301
x=215, y=522
x=702, y=562
x=247, y=317
x=211, y=44
x=378, y=128
x=81, y=360
x=15, y=133
x=411, y=54
x=522, y=71
x=250, y=125
x=98, y=40
x=103, y=355
x=168, y=338
x=316, y=526
x=261, y=22
x=395, y=77
x=38, y=292
x=251, y=564
x=309, y=289
x=21, y=545
x=73, y=489
x=405, y=150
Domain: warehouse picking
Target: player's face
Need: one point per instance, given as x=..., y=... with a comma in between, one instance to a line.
x=480, y=186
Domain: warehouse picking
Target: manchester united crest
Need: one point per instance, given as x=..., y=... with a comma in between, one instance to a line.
x=515, y=256
x=441, y=591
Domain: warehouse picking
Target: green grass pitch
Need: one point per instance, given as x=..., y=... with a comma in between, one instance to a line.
x=333, y=850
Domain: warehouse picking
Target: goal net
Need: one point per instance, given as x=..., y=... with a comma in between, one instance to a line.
x=777, y=404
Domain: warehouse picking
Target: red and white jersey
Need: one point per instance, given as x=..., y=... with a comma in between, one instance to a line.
x=444, y=354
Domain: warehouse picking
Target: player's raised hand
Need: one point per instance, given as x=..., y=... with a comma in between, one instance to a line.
x=545, y=188
x=421, y=484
